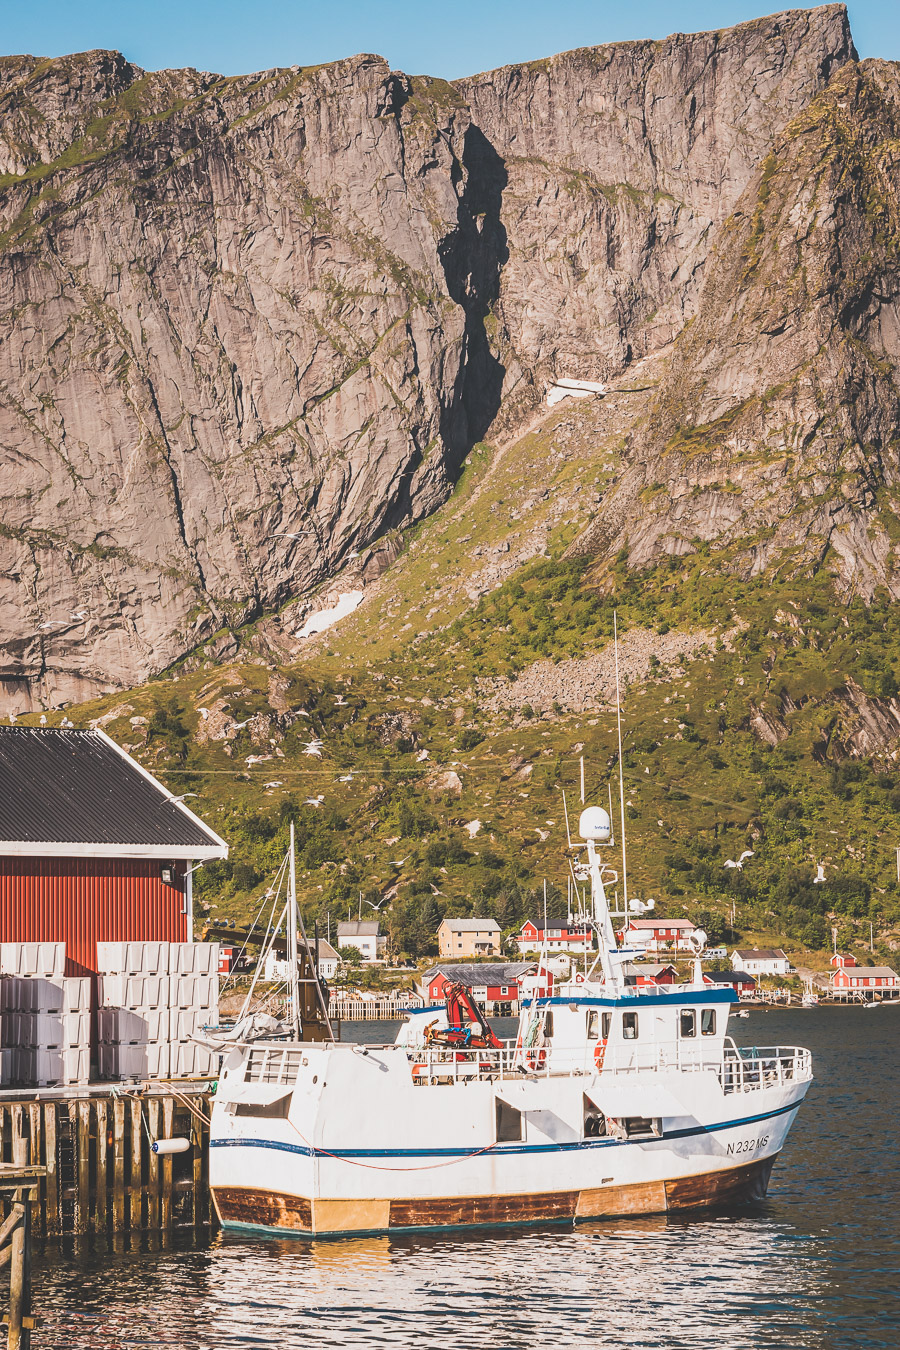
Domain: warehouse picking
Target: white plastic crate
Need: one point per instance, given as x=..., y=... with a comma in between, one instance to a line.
x=121, y=1061
x=7, y=1067
x=76, y=1065
x=76, y=1030
x=76, y=994
x=193, y=958
x=37, y=1031
x=185, y=1023
x=193, y=1061
x=125, y=1026
x=133, y=991
x=47, y=959
x=23, y=994
x=39, y=1068
x=159, y=1058
x=133, y=958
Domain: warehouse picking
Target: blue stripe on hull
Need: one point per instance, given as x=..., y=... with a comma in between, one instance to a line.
x=495, y=1149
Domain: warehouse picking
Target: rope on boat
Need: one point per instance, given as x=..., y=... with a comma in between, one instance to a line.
x=377, y=1167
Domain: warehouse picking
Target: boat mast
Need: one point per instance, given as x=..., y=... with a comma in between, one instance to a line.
x=621, y=778
x=293, y=953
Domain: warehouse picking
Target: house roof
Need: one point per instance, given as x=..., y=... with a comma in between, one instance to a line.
x=489, y=972
x=759, y=953
x=652, y=971
x=72, y=793
x=854, y=972
x=728, y=977
x=326, y=951
x=358, y=928
x=471, y=925
x=660, y=923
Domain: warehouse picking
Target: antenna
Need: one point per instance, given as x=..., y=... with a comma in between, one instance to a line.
x=568, y=835
x=582, y=780
x=621, y=777
x=609, y=787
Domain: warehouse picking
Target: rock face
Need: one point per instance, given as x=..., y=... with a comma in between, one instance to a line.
x=773, y=439
x=248, y=325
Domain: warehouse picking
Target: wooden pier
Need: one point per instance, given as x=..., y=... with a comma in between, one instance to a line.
x=369, y=1010
x=95, y=1166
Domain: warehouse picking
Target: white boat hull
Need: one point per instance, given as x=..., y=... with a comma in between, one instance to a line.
x=363, y=1149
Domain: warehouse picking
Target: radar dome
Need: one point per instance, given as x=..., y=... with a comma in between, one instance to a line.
x=594, y=824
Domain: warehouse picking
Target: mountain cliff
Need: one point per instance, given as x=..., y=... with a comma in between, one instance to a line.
x=249, y=326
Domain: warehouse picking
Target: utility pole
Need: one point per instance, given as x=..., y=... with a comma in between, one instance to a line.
x=871, y=937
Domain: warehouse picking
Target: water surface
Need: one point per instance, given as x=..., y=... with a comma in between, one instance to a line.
x=816, y=1265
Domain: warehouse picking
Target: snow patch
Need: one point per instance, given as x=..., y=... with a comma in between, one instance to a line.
x=326, y=618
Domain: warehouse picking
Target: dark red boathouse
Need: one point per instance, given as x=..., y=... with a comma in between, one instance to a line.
x=92, y=848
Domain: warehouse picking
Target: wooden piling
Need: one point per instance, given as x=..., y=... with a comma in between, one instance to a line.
x=51, y=1224
x=168, y=1120
x=83, y=1204
x=136, y=1189
x=118, y=1123
x=153, y=1168
x=100, y=1185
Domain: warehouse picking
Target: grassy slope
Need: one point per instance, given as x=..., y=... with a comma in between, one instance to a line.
x=399, y=677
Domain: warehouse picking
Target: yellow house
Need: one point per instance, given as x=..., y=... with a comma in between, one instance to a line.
x=469, y=937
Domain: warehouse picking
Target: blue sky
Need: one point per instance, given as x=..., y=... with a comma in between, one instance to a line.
x=455, y=37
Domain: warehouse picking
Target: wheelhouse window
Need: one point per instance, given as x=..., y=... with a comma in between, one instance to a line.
x=508, y=1122
x=548, y=1024
x=607, y=1025
x=593, y=1025
x=629, y=1026
x=687, y=1022
x=708, y=1022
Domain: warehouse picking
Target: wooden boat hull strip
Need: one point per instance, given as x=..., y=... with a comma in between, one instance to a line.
x=271, y=1211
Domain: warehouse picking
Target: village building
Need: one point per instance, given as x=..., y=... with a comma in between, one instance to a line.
x=839, y=959
x=92, y=847
x=646, y=974
x=328, y=960
x=738, y=980
x=469, y=937
x=364, y=935
x=659, y=935
x=761, y=961
x=866, y=981
x=574, y=938
x=495, y=987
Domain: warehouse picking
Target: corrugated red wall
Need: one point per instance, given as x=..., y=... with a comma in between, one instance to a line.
x=83, y=901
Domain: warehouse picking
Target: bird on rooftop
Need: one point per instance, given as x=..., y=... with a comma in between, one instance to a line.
x=183, y=795
x=43, y=720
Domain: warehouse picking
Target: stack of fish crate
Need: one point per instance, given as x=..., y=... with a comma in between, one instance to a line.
x=153, y=998
x=46, y=1017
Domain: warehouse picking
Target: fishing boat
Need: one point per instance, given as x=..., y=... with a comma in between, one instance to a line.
x=612, y=1099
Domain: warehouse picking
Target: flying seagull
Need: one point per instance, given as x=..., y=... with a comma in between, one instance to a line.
x=747, y=853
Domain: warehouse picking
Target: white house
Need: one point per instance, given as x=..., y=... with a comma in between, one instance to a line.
x=760, y=961
x=364, y=935
x=328, y=960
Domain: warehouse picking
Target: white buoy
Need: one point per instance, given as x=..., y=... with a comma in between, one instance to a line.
x=170, y=1145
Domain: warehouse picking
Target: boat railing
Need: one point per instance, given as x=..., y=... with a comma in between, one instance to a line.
x=738, y=1068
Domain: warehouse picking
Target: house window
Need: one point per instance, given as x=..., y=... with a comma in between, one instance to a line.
x=708, y=1022
x=509, y=1122
x=687, y=1022
x=503, y=991
x=629, y=1026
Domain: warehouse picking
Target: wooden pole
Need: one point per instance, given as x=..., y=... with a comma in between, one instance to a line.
x=165, y=1217
x=118, y=1165
x=153, y=1165
x=51, y=1184
x=134, y=1218
x=82, y=1220
x=100, y=1180
x=15, y=1339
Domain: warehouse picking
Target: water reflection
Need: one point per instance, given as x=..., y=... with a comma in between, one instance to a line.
x=813, y=1266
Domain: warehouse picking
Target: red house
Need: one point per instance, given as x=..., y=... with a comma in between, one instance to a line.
x=574, y=938
x=92, y=848
x=494, y=986
x=840, y=960
x=644, y=975
x=656, y=935
x=867, y=981
x=738, y=980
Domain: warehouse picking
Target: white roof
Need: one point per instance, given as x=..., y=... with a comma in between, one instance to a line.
x=472, y=925
x=660, y=923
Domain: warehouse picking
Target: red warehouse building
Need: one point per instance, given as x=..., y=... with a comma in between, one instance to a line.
x=92, y=848
x=866, y=981
x=493, y=985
